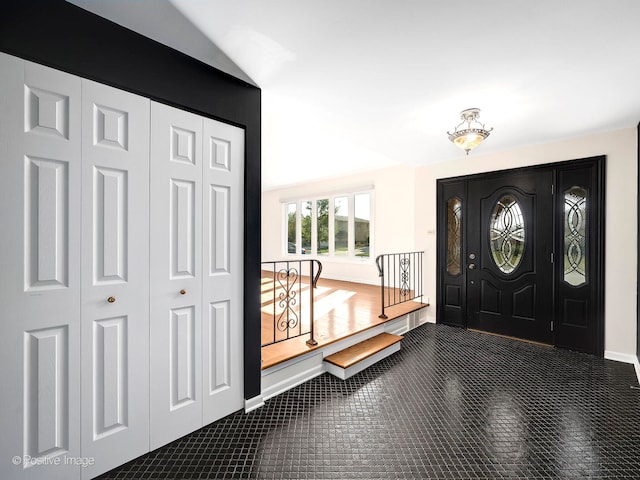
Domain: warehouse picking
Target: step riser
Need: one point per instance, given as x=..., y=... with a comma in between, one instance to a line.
x=345, y=373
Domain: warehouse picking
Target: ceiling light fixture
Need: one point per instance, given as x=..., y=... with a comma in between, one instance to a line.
x=470, y=137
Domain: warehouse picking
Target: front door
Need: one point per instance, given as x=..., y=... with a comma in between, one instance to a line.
x=509, y=246
x=521, y=253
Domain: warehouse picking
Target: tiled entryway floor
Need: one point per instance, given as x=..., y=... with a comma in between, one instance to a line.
x=451, y=404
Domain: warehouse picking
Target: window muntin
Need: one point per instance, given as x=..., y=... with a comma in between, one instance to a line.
x=338, y=226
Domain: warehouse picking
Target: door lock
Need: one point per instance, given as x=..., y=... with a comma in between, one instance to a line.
x=472, y=266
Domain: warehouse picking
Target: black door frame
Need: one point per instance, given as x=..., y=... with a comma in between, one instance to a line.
x=596, y=233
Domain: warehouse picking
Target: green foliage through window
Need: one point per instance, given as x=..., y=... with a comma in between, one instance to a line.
x=342, y=226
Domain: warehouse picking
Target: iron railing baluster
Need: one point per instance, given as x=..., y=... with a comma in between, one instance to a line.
x=402, y=273
x=312, y=285
x=286, y=282
x=273, y=281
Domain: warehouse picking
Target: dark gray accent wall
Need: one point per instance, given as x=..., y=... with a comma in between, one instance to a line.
x=63, y=36
x=161, y=21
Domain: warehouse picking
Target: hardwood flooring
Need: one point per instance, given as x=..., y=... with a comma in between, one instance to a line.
x=341, y=308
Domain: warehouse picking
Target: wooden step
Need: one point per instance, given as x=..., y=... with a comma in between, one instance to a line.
x=356, y=358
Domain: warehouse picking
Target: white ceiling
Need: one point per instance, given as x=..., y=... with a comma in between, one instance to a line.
x=349, y=85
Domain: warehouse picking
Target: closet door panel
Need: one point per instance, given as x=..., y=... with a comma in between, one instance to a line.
x=40, y=284
x=223, y=170
x=115, y=276
x=176, y=274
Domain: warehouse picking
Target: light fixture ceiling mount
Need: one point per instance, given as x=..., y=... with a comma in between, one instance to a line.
x=469, y=137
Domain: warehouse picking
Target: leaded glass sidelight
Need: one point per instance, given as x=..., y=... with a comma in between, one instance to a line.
x=575, y=225
x=454, y=217
x=507, y=234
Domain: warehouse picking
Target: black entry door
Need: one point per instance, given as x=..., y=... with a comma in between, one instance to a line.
x=509, y=243
x=521, y=253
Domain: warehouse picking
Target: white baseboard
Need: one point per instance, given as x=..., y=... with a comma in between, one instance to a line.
x=625, y=358
x=620, y=357
x=253, y=403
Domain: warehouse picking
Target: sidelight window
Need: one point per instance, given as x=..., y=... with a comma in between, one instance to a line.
x=575, y=225
x=507, y=234
x=454, y=218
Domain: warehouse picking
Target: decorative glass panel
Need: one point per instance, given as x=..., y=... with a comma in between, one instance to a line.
x=341, y=226
x=322, y=212
x=362, y=222
x=575, y=225
x=454, y=217
x=507, y=235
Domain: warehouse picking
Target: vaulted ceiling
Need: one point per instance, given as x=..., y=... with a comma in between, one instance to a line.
x=349, y=85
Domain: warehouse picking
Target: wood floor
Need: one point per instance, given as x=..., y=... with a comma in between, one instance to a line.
x=341, y=308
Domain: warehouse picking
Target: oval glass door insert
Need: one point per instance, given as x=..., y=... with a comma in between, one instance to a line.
x=507, y=234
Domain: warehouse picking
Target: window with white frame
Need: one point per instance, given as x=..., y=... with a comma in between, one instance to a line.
x=330, y=225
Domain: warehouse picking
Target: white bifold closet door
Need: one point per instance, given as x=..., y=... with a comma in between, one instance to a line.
x=222, y=291
x=74, y=186
x=40, y=185
x=121, y=320
x=115, y=277
x=196, y=272
x=176, y=274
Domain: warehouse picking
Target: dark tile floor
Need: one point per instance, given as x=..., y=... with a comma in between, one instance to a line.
x=451, y=404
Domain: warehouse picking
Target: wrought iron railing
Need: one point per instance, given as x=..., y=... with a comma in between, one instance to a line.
x=400, y=278
x=287, y=299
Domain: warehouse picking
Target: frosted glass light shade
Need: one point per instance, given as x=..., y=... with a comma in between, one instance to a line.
x=470, y=137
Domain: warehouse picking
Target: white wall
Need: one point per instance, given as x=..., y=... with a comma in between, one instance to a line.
x=393, y=218
x=620, y=147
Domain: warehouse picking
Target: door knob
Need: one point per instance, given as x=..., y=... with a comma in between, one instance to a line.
x=472, y=266
x=111, y=299
x=183, y=291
